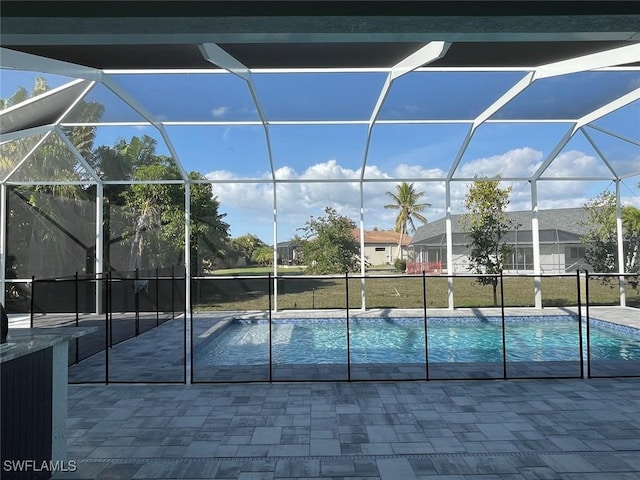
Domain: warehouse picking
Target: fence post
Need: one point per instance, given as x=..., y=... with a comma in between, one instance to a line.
x=33, y=294
x=426, y=336
x=586, y=294
x=173, y=291
x=184, y=302
x=110, y=306
x=77, y=301
x=157, y=298
x=346, y=286
x=579, y=294
x=270, y=331
x=136, y=296
x=108, y=330
x=77, y=315
x=191, y=366
x=504, y=335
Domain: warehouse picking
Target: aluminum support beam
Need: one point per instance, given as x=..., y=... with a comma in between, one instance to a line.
x=535, y=238
x=140, y=109
x=363, y=296
x=620, y=245
x=600, y=153
x=3, y=242
x=26, y=61
x=449, y=232
x=187, y=274
x=609, y=107
x=275, y=248
x=99, y=261
x=26, y=157
x=608, y=58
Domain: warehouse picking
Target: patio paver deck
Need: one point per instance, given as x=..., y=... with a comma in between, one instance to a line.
x=455, y=430
x=481, y=430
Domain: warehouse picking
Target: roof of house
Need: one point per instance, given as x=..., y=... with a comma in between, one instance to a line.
x=567, y=222
x=286, y=244
x=381, y=237
x=370, y=237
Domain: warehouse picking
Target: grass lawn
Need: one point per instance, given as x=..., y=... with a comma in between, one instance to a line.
x=399, y=292
x=257, y=271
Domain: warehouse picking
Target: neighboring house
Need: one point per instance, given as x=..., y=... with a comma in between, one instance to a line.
x=381, y=246
x=287, y=253
x=560, y=233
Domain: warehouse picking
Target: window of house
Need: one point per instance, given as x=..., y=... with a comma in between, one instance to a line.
x=520, y=258
x=380, y=249
x=577, y=252
x=437, y=254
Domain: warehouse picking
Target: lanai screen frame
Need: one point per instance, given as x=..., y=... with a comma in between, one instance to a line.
x=610, y=60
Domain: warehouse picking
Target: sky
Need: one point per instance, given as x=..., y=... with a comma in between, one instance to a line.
x=232, y=146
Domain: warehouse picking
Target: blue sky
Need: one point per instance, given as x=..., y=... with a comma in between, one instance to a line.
x=424, y=151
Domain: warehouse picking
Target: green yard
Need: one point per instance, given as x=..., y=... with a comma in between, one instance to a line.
x=302, y=292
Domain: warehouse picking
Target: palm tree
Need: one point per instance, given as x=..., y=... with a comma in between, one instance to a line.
x=406, y=200
x=53, y=160
x=44, y=205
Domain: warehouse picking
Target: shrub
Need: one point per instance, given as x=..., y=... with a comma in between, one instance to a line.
x=400, y=264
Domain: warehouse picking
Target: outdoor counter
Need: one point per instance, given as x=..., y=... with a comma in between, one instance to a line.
x=33, y=400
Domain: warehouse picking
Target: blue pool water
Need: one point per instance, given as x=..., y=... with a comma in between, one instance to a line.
x=324, y=341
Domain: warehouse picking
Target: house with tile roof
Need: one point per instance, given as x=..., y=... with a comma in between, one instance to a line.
x=381, y=246
x=560, y=234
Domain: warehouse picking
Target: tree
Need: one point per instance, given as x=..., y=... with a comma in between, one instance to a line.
x=156, y=216
x=487, y=223
x=263, y=255
x=120, y=162
x=406, y=200
x=631, y=229
x=601, y=237
x=209, y=232
x=49, y=219
x=244, y=246
x=40, y=86
x=327, y=244
x=52, y=160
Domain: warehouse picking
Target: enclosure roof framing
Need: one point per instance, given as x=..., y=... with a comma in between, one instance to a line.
x=113, y=48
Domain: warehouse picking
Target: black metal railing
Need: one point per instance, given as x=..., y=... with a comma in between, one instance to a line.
x=120, y=306
x=314, y=328
x=560, y=342
x=601, y=361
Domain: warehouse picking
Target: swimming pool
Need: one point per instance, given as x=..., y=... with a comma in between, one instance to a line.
x=402, y=341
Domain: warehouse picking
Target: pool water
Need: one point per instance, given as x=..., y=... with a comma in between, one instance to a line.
x=324, y=341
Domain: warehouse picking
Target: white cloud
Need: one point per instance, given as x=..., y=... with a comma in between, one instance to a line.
x=372, y=171
x=220, y=175
x=627, y=167
x=573, y=162
x=250, y=205
x=329, y=169
x=417, y=171
x=519, y=162
x=220, y=111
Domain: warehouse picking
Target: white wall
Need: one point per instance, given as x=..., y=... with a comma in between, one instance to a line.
x=386, y=257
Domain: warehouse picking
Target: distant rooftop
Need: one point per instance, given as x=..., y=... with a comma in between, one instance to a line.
x=381, y=237
x=568, y=221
